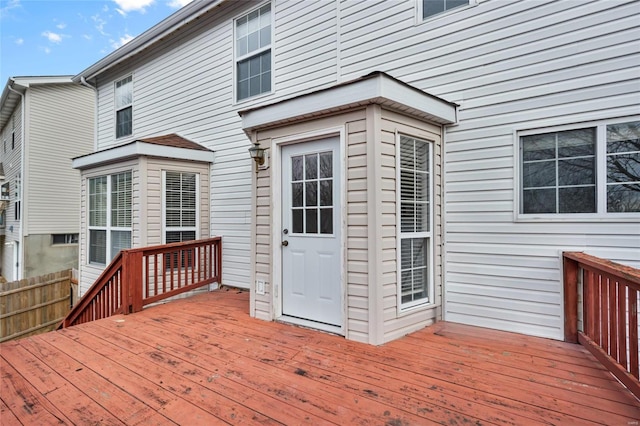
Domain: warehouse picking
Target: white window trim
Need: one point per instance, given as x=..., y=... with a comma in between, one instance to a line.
x=116, y=109
x=164, y=226
x=403, y=308
x=237, y=59
x=421, y=20
x=108, y=228
x=601, y=172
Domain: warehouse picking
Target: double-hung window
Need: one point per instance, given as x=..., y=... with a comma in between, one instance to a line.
x=253, y=35
x=124, y=107
x=431, y=8
x=110, y=203
x=591, y=169
x=415, y=211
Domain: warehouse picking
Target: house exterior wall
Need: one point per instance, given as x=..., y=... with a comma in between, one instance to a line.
x=510, y=65
x=42, y=257
x=12, y=164
x=61, y=127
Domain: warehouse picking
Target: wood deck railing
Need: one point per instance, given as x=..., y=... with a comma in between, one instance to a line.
x=141, y=276
x=609, y=312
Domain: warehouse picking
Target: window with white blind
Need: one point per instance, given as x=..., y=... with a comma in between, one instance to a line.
x=415, y=209
x=110, y=204
x=180, y=206
x=124, y=107
x=253, y=53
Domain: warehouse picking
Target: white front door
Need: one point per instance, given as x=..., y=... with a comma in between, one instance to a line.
x=311, y=228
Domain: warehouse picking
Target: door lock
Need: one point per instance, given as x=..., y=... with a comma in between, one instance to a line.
x=285, y=243
x=285, y=231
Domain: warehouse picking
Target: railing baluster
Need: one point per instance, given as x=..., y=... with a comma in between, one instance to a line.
x=604, y=312
x=633, y=332
x=622, y=329
x=613, y=317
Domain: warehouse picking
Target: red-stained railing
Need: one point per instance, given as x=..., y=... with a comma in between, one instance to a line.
x=609, y=312
x=141, y=276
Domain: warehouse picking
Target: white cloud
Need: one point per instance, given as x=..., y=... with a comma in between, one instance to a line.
x=121, y=12
x=61, y=26
x=133, y=5
x=122, y=41
x=177, y=4
x=52, y=37
x=100, y=23
x=20, y=41
x=11, y=4
x=46, y=50
x=86, y=36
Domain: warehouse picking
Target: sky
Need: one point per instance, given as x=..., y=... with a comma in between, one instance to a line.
x=64, y=37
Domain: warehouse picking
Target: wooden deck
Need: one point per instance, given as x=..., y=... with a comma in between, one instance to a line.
x=203, y=360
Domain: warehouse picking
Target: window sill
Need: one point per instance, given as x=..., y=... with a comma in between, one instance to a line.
x=590, y=217
x=253, y=98
x=402, y=312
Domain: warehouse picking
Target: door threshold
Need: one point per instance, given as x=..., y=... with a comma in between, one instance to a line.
x=329, y=328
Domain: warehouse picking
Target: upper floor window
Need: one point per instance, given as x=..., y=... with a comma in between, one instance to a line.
x=253, y=34
x=592, y=169
x=110, y=204
x=435, y=7
x=415, y=214
x=124, y=107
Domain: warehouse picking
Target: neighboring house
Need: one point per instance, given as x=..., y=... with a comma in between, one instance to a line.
x=425, y=159
x=45, y=122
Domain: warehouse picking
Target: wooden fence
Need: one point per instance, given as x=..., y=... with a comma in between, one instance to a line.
x=34, y=305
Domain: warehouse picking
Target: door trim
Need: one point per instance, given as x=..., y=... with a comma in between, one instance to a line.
x=276, y=221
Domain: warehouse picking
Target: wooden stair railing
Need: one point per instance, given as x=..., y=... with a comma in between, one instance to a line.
x=141, y=276
x=609, y=313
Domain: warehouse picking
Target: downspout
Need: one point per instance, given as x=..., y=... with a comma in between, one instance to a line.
x=23, y=197
x=95, y=112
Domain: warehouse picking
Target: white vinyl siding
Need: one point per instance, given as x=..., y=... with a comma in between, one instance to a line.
x=60, y=128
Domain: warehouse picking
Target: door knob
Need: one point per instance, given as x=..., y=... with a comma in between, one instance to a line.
x=285, y=243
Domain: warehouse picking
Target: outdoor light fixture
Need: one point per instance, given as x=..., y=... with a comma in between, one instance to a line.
x=257, y=154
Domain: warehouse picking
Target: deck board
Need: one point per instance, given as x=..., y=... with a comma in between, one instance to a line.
x=203, y=360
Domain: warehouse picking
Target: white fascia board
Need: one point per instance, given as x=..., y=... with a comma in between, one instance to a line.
x=137, y=149
x=53, y=79
x=369, y=90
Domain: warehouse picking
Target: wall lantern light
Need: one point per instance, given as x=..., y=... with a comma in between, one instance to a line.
x=257, y=154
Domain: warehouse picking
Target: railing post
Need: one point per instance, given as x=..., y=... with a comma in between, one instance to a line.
x=571, y=271
x=134, y=280
x=124, y=283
